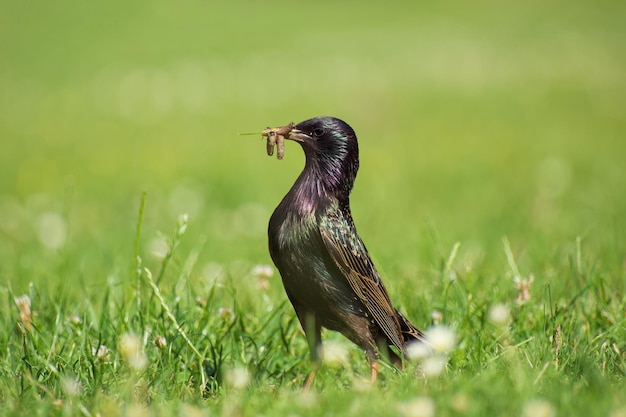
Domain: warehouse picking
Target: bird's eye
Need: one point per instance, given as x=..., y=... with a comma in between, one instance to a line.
x=318, y=131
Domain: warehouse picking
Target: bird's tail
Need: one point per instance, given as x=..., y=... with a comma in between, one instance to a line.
x=410, y=333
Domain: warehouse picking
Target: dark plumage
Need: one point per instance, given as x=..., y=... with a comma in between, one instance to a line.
x=327, y=272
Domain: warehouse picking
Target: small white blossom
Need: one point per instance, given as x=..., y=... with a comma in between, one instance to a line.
x=523, y=286
x=418, y=351
x=306, y=399
x=225, y=313
x=137, y=410
x=460, y=403
x=52, y=230
x=263, y=271
x=101, y=352
x=263, y=284
x=434, y=365
x=158, y=248
x=335, y=354
x=131, y=349
x=499, y=314
x=23, y=305
x=71, y=386
x=201, y=301
x=237, y=378
x=188, y=410
x=436, y=317
x=442, y=339
x=361, y=384
x=418, y=407
x=538, y=408
x=452, y=276
x=160, y=341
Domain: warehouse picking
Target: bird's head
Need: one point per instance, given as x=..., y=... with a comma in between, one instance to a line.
x=331, y=149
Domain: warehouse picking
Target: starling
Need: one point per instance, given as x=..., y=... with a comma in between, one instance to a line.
x=326, y=270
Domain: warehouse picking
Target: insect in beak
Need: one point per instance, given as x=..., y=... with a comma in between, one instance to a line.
x=276, y=137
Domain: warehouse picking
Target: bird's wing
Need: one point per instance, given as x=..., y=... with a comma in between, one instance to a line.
x=350, y=255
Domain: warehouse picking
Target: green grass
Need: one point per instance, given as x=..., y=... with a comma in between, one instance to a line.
x=500, y=127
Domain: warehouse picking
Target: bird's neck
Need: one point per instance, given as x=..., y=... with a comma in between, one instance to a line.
x=335, y=173
x=323, y=180
x=309, y=197
x=309, y=193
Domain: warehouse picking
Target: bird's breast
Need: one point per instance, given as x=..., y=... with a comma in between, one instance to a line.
x=310, y=276
x=290, y=235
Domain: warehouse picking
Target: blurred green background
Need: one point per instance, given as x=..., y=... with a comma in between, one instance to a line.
x=476, y=120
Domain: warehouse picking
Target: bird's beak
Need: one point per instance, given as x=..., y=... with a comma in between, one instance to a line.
x=297, y=135
x=288, y=132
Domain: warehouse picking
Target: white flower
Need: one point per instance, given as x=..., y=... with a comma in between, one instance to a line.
x=137, y=410
x=361, y=384
x=237, y=378
x=71, y=386
x=436, y=316
x=418, y=407
x=418, y=350
x=160, y=341
x=523, y=286
x=460, y=403
x=263, y=271
x=23, y=305
x=263, y=284
x=52, y=230
x=158, y=248
x=225, y=313
x=334, y=354
x=434, y=365
x=130, y=347
x=101, y=352
x=499, y=314
x=213, y=273
x=538, y=408
x=306, y=399
x=442, y=339
x=188, y=410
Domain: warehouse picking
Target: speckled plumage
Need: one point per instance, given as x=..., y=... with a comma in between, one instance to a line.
x=327, y=272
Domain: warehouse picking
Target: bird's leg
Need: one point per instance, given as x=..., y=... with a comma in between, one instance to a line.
x=373, y=356
x=373, y=371
x=313, y=332
x=388, y=354
x=311, y=377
